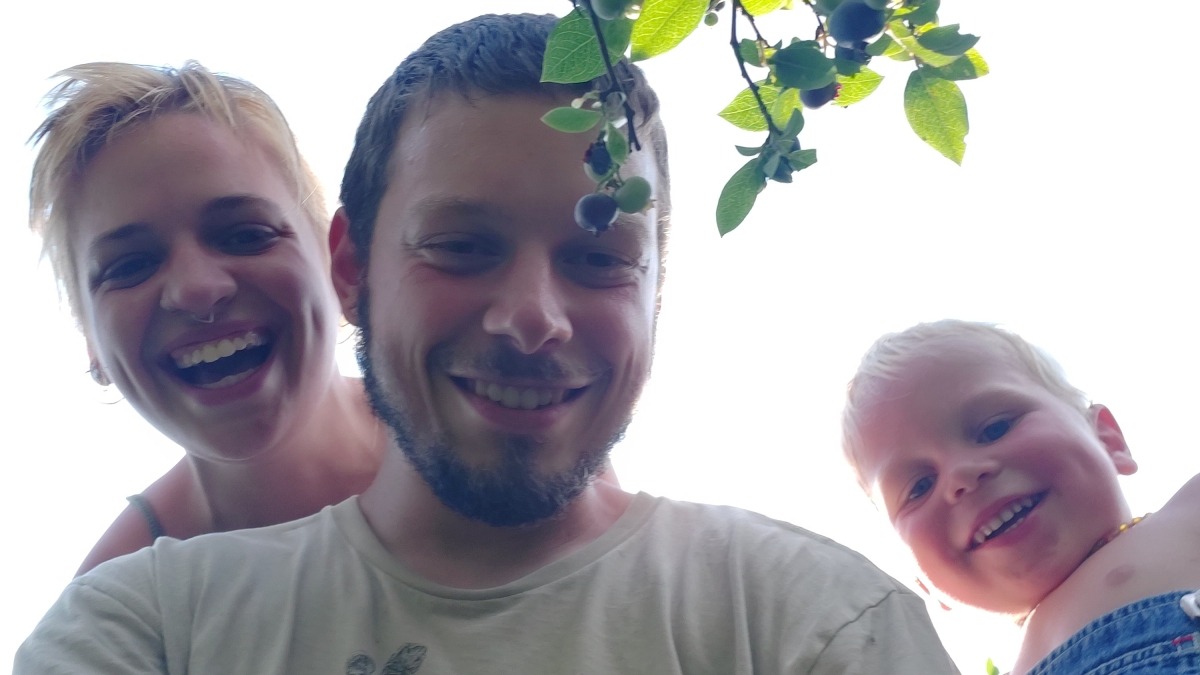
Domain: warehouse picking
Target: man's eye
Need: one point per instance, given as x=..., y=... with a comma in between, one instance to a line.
x=919, y=489
x=249, y=239
x=461, y=256
x=127, y=271
x=599, y=268
x=994, y=431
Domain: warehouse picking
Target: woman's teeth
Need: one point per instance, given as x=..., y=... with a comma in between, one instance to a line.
x=217, y=349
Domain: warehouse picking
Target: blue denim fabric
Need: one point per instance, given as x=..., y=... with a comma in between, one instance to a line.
x=1150, y=636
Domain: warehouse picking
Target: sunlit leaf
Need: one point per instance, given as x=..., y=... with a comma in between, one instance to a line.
x=937, y=112
x=573, y=53
x=618, y=145
x=743, y=111
x=738, y=196
x=571, y=120
x=969, y=67
x=857, y=87
x=663, y=24
x=760, y=7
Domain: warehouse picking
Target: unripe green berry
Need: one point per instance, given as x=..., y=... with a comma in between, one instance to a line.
x=711, y=18
x=634, y=195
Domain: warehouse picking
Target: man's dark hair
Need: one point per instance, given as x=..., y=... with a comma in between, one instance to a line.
x=494, y=54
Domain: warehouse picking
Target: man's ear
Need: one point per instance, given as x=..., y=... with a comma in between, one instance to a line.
x=1109, y=433
x=344, y=266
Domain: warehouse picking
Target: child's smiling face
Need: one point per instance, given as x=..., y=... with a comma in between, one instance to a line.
x=999, y=487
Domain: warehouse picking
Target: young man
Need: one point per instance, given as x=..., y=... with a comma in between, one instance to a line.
x=505, y=347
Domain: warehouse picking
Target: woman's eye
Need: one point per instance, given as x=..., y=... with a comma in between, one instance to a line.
x=249, y=239
x=994, y=431
x=127, y=271
x=923, y=485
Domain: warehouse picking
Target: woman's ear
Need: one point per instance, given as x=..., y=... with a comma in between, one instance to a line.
x=345, y=269
x=1109, y=433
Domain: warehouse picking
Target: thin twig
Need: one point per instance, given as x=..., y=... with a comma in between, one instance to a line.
x=616, y=85
x=735, y=44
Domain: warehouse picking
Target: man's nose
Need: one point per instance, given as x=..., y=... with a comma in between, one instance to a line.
x=529, y=305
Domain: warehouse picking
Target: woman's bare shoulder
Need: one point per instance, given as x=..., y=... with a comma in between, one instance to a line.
x=131, y=530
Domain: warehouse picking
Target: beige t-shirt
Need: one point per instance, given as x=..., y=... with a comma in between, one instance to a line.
x=672, y=587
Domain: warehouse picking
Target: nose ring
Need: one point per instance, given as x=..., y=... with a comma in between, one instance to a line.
x=206, y=319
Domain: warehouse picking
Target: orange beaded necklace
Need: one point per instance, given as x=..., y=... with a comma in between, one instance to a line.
x=1121, y=529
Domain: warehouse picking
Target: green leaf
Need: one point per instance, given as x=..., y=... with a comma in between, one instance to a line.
x=857, y=87
x=947, y=40
x=794, y=124
x=738, y=196
x=760, y=7
x=743, y=111
x=802, y=65
x=750, y=53
x=784, y=105
x=884, y=46
x=571, y=120
x=913, y=46
x=746, y=151
x=969, y=67
x=919, y=12
x=937, y=112
x=618, y=145
x=573, y=53
x=802, y=159
x=991, y=668
x=663, y=24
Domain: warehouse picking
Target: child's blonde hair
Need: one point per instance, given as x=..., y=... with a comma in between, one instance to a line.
x=97, y=102
x=892, y=353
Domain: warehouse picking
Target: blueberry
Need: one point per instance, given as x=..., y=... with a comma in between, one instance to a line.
x=854, y=20
x=596, y=212
x=855, y=52
x=815, y=98
x=598, y=160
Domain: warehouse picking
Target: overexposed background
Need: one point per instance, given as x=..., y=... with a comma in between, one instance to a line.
x=1072, y=220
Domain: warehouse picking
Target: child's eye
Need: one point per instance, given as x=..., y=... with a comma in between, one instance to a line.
x=920, y=488
x=994, y=431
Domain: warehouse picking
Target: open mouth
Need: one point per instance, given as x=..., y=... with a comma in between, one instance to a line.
x=1010, y=517
x=517, y=398
x=222, y=362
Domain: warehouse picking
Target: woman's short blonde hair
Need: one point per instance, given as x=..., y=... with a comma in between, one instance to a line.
x=98, y=102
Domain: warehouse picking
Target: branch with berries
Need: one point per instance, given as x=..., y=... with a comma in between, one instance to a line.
x=801, y=74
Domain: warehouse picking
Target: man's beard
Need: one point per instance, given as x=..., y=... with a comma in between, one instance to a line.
x=511, y=493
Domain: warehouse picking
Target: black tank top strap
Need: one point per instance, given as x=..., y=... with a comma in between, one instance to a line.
x=143, y=505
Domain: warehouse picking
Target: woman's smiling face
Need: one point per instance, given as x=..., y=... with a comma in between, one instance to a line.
x=204, y=290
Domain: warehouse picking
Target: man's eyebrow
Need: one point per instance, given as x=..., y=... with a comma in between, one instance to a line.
x=439, y=207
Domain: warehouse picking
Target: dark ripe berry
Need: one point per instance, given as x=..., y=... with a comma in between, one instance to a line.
x=633, y=195
x=608, y=9
x=597, y=159
x=596, y=212
x=815, y=98
x=877, y=4
x=855, y=52
x=854, y=21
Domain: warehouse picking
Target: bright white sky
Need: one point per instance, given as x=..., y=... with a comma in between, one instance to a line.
x=1072, y=220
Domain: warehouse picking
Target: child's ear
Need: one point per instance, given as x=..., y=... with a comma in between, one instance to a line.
x=346, y=271
x=1109, y=433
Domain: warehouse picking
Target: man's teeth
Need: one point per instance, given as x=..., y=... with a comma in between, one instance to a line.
x=519, y=398
x=218, y=349
x=1014, y=510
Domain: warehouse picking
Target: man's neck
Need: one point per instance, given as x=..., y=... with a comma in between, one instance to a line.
x=447, y=548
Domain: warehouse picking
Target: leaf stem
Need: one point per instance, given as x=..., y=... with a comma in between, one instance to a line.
x=615, y=82
x=735, y=44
